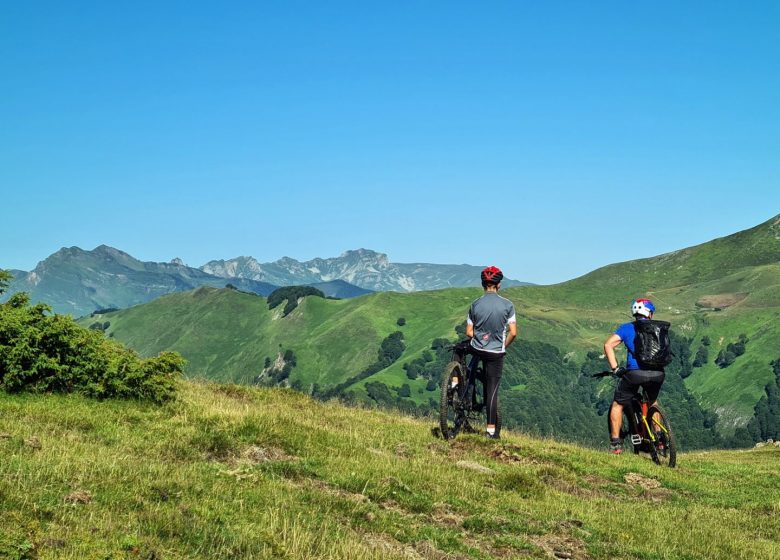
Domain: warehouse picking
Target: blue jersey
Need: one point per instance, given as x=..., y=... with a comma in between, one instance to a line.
x=627, y=334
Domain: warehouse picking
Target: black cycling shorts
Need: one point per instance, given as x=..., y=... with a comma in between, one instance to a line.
x=630, y=383
x=493, y=366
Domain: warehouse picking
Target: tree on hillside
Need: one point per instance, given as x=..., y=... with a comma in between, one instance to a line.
x=702, y=357
x=404, y=391
x=765, y=423
x=291, y=294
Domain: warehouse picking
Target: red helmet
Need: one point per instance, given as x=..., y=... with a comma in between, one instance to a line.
x=492, y=275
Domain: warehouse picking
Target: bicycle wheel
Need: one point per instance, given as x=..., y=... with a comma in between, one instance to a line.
x=665, y=450
x=452, y=418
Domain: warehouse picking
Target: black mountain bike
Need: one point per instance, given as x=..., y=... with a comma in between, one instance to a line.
x=647, y=428
x=462, y=402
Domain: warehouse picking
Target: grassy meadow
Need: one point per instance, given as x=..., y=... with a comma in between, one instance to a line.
x=229, y=471
x=721, y=289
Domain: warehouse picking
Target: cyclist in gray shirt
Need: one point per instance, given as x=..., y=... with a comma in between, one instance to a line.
x=490, y=317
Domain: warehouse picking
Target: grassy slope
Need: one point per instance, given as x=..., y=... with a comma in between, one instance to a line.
x=229, y=471
x=227, y=335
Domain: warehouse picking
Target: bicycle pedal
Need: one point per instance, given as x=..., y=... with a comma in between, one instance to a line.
x=636, y=439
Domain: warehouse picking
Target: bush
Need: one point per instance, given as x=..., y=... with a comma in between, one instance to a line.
x=401, y=321
x=725, y=358
x=702, y=357
x=42, y=352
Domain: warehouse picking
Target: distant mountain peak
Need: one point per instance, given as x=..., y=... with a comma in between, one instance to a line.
x=177, y=261
x=362, y=267
x=362, y=253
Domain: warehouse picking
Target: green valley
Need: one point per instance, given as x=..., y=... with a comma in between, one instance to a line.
x=722, y=290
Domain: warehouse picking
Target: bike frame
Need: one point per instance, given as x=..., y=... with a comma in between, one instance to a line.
x=461, y=354
x=637, y=415
x=639, y=424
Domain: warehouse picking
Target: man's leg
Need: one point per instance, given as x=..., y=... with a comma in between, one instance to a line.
x=652, y=387
x=615, y=419
x=624, y=392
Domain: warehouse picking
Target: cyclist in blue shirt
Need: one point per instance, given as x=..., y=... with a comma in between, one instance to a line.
x=632, y=377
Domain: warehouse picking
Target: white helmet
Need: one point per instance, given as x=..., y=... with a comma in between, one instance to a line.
x=643, y=307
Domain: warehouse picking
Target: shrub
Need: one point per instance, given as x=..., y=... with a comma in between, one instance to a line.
x=43, y=352
x=725, y=358
x=401, y=321
x=702, y=357
x=404, y=391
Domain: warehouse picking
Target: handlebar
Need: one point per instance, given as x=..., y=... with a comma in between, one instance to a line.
x=461, y=345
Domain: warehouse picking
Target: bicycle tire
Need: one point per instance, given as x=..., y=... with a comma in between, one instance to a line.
x=667, y=454
x=451, y=414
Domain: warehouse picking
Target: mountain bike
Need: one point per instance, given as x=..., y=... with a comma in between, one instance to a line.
x=647, y=427
x=462, y=401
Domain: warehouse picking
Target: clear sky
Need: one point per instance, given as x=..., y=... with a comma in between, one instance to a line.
x=536, y=136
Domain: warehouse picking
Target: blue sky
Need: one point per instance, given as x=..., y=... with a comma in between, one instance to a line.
x=531, y=135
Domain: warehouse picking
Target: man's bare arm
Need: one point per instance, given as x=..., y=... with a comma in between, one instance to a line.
x=609, y=350
x=512, y=334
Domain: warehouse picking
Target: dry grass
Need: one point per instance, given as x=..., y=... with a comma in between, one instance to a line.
x=245, y=473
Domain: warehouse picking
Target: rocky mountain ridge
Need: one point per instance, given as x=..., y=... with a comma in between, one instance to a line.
x=77, y=281
x=73, y=280
x=362, y=267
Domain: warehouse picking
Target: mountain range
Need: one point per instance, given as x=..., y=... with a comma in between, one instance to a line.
x=362, y=267
x=78, y=282
x=722, y=298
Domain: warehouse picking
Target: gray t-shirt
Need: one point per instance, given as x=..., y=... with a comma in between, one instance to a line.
x=490, y=316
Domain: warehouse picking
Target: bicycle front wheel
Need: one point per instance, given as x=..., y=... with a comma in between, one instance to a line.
x=452, y=416
x=664, y=452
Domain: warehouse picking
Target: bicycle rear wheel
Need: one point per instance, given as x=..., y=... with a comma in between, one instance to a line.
x=665, y=450
x=452, y=414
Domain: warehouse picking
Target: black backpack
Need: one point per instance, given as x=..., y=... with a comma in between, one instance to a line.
x=652, y=348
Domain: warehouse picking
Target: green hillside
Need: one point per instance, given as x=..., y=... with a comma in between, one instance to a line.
x=722, y=290
x=231, y=472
